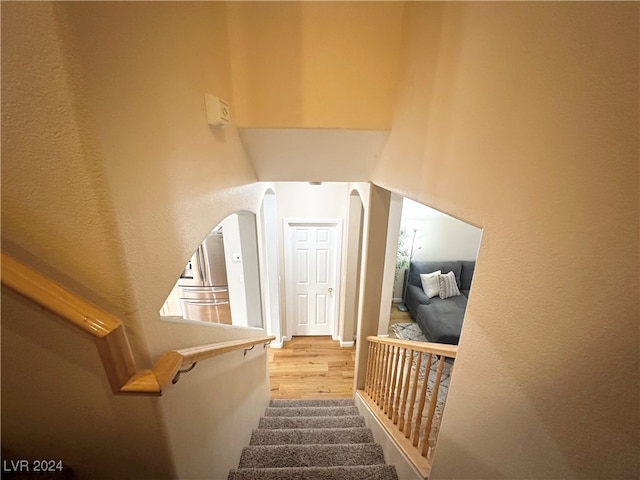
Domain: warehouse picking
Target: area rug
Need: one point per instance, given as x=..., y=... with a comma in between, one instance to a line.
x=411, y=331
x=408, y=331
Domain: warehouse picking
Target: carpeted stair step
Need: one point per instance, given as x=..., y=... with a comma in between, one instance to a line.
x=306, y=436
x=312, y=440
x=360, y=472
x=310, y=411
x=311, y=422
x=278, y=456
x=334, y=402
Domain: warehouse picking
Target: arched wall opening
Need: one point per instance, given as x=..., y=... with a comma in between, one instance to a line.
x=220, y=283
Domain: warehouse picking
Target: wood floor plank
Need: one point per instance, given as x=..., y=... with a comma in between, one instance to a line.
x=300, y=368
x=329, y=357
x=311, y=367
x=397, y=316
x=317, y=367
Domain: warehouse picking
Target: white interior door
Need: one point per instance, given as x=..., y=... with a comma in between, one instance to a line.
x=312, y=259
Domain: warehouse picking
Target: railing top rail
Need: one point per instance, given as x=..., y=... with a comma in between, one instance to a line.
x=109, y=333
x=168, y=366
x=434, y=348
x=51, y=296
x=202, y=352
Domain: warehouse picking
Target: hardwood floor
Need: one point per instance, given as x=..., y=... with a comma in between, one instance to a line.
x=317, y=367
x=311, y=367
x=398, y=317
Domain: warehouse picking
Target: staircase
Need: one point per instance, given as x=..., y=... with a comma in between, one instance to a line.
x=312, y=440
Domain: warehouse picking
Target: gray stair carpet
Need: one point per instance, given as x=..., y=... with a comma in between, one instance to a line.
x=310, y=411
x=312, y=440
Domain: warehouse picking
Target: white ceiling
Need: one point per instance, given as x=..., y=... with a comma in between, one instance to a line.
x=327, y=155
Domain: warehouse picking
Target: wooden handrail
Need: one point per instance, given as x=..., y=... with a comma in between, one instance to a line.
x=443, y=349
x=53, y=297
x=109, y=333
x=402, y=389
x=169, y=364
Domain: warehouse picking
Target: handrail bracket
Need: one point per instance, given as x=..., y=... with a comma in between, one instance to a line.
x=248, y=349
x=264, y=345
x=180, y=372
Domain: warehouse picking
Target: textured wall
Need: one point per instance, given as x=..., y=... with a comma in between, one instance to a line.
x=55, y=201
x=520, y=118
x=523, y=118
x=57, y=404
x=315, y=64
x=171, y=176
x=112, y=177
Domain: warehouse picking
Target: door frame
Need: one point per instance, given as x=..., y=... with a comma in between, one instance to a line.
x=288, y=224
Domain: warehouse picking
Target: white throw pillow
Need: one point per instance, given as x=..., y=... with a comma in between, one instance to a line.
x=430, y=283
x=448, y=285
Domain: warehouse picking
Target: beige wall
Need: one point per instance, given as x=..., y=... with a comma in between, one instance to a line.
x=522, y=118
x=314, y=64
x=55, y=204
x=390, y=260
x=112, y=177
x=211, y=412
x=352, y=266
x=377, y=201
x=57, y=403
x=171, y=177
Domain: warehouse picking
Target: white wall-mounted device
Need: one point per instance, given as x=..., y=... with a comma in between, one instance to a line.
x=218, y=111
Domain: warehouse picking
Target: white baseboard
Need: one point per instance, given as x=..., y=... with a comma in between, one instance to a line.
x=280, y=344
x=386, y=335
x=396, y=300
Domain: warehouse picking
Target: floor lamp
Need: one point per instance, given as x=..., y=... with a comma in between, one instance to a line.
x=402, y=307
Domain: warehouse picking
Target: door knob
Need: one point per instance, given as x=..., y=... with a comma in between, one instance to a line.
x=330, y=290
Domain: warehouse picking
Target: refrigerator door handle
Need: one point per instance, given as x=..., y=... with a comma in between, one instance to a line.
x=201, y=266
x=206, y=267
x=211, y=303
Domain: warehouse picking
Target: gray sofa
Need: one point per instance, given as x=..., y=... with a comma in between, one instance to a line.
x=439, y=319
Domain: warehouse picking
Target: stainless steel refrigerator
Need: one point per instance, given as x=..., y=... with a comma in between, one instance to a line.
x=203, y=288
